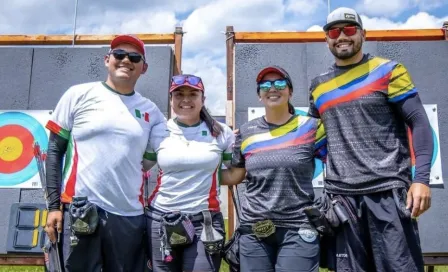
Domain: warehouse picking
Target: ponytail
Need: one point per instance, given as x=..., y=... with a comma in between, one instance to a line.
x=291, y=108
x=212, y=125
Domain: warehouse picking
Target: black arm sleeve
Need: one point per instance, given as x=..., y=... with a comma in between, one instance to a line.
x=53, y=164
x=415, y=117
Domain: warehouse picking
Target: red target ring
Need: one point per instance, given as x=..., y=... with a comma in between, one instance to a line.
x=16, y=148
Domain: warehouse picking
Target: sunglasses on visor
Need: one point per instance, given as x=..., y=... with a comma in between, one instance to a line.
x=181, y=79
x=120, y=54
x=334, y=32
x=266, y=85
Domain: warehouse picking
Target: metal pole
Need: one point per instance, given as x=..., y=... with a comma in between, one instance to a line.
x=328, y=5
x=74, y=22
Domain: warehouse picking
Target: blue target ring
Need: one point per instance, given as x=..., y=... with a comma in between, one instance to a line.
x=39, y=134
x=319, y=164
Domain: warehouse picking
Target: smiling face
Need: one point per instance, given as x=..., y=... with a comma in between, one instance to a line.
x=187, y=103
x=275, y=98
x=346, y=47
x=124, y=71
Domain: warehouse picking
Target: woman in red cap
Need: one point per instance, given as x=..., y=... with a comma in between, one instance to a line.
x=184, y=222
x=276, y=153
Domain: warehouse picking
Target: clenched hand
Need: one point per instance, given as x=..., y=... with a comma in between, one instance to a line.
x=419, y=198
x=54, y=223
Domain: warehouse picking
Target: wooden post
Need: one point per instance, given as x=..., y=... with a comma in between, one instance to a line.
x=178, y=37
x=445, y=28
x=230, y=114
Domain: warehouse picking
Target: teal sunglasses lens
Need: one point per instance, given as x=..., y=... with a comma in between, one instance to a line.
x=280, y=84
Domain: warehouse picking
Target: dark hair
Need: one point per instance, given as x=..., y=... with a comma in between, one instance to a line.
x=212, y=125
x=291, y=108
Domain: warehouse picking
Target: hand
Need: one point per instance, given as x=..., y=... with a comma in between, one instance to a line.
x=236, y=131
x=54, y=223
x=419, y=198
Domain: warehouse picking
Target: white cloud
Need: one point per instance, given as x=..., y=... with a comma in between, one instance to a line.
x=382, y=7
x=393, y=8
x=304, y=7
x=426, y=5
x=315, y=28
x=204, y=26
x=421, y=20
x=115, y=22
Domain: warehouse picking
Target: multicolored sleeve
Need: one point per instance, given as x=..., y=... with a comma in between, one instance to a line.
x=312, y=109
x=400, y=84
x=159, y=131
x=320, y=146
x=62, y=118
x=229, y=141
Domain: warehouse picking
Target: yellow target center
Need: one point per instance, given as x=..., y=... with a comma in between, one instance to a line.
x=10, y=149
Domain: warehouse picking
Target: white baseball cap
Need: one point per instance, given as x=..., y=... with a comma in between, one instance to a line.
x=343, y=15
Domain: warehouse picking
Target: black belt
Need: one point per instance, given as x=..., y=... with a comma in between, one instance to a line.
x=157, y=215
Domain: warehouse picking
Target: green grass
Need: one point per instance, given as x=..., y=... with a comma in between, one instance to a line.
x=224, y=266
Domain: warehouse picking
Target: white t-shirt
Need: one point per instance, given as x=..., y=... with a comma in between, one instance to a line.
x=190, y=160
x=108, y=135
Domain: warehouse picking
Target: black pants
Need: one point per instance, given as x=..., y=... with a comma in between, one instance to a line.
x=188, y=258
x=287, y=250
x=116, y=246
x=379, y=236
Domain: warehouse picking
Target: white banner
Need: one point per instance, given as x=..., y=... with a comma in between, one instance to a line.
x=436, y=163
x=19, y=130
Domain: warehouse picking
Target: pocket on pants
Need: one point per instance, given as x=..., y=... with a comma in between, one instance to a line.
x=400, y=198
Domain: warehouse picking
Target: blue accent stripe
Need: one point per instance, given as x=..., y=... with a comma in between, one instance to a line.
x=403, y=96
x=356, y=84
x=303, y=129
x=321, y=143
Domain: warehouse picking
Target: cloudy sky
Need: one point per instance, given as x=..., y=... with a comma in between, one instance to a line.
x=204, y=22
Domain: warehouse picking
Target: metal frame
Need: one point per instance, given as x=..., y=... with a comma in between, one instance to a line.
x=58, y=40
x=319, y=36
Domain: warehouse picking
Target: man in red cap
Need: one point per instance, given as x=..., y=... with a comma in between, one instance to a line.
x=104, y=130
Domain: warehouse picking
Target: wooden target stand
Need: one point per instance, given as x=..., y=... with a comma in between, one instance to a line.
x=27, y=220
x=233, y=38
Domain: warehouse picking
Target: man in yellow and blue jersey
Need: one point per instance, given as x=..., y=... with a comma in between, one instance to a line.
x=367, y=105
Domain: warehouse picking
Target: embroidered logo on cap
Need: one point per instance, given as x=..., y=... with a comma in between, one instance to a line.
x=350, y=16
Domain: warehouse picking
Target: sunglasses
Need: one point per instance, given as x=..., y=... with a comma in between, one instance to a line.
x=181, y=79
x=266, y=85
x=334, y=33
x=120, y=54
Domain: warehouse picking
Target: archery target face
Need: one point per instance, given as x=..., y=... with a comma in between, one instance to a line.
x=18, y=132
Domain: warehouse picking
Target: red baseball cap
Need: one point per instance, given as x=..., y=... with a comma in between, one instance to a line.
x=129, y=39
x=186, y=80
x=273, y=69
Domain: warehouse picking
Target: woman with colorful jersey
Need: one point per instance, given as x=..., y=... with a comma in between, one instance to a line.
x=184, y=222
x=276, y=154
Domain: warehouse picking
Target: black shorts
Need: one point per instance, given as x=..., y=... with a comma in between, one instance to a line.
x=379, y=236
x=288, y=250
x=192, y=257
x=118, y=245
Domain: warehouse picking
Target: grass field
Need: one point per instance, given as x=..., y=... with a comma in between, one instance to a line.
x=224, y=267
